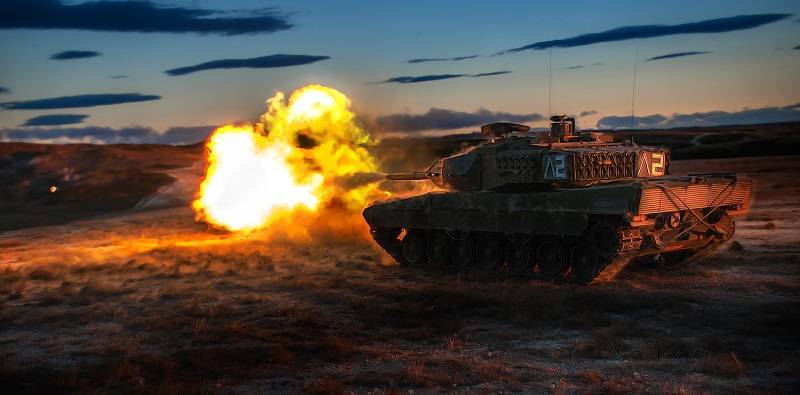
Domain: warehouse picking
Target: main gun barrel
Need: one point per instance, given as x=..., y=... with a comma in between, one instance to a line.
x=417, y=175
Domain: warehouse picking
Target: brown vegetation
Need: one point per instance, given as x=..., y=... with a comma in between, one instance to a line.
x=151, y=302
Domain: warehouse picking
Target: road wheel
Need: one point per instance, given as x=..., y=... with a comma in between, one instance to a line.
x=583, y=263
x=439, y=248
x=412, y=248
x=550, y=258
x=489, y=253
x=520, y=258
x=462, y=253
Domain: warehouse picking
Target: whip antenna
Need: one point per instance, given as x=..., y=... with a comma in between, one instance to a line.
x=549, y=81
x=633, y=89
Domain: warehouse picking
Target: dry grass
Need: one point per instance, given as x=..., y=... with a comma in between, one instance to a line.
x=600, y=345
x=663, y=347
x=325, y=386
x=98, y=313
x=415, y=373
x=724, y=365
x=347, y=328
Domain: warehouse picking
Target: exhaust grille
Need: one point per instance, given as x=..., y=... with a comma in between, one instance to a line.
x=590, y=166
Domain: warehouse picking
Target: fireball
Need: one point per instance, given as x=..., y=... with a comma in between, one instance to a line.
x=291, y=161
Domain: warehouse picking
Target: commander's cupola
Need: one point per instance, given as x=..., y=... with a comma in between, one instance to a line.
x=562, y=130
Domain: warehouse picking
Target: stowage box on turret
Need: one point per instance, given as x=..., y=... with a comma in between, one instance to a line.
x=561, y=204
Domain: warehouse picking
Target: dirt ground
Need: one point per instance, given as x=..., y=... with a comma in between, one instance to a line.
x=149, y=301
x=53, y=184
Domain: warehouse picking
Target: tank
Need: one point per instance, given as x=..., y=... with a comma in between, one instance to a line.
x=561, y=204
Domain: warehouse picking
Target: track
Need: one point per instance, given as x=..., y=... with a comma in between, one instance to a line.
x=611, y=251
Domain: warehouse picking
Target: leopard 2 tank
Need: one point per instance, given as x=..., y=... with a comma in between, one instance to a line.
x=560, y=204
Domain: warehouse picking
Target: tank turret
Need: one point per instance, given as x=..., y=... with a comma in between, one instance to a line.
x=513, y=159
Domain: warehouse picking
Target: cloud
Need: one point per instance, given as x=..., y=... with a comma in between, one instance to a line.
x=264, y=62
x=788, y=113
x=720, y=25
x=436, y=77
x=79, y=101
x=623, y=122
x=118, y=77
x=441, y=119
x=580, y=66
x=89, y=134
x=421, y=78
x=587, y=113
x=55, y=119
x=4, y=90
x=105, y=135
x=455, y=59
x=142, y=16
x=490, y=74
x=677, y=55
x=74, y=54
x=183, y=135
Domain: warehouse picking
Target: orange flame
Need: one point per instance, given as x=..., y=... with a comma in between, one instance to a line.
x=293, y=160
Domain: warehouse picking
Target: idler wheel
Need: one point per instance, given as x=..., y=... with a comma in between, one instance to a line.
x=674, y=220
x=439, y=249
x=462, y=253
x=412, y=248
x=520, y=258
x=726, y=225
x=583, y=263
x=550, y=258
x=489, y=253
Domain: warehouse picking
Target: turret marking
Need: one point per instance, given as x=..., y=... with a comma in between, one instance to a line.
x=555, y=167
x=657, y=164
x=651, y=164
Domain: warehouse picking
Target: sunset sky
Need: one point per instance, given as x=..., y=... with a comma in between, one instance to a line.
x=699, y=63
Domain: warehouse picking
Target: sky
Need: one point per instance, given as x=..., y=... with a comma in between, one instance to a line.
x=72, y=69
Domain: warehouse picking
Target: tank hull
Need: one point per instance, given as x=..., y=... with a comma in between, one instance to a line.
x=611, y=223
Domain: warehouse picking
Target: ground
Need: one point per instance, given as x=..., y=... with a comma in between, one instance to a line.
x=150, y=301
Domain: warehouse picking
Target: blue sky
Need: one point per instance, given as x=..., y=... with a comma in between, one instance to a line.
x=370, y=42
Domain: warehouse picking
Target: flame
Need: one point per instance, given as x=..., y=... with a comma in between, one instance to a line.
x=290, y=164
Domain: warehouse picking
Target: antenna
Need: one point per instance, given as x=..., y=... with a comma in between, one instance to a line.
x=633, y=89
x=549, y=81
